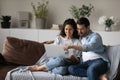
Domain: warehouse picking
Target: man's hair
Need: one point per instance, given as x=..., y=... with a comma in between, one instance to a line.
x=83, y=21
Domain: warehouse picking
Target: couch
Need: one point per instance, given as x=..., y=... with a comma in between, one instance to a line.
x=18, y=52
x=21, y=53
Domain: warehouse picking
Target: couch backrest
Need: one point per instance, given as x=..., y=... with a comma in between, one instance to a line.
x=113, y=53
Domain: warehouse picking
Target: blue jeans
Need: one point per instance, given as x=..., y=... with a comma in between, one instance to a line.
x=91, y=69
x=58, y=65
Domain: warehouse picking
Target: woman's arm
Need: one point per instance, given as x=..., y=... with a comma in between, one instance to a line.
x=77, y=47
x=48, y=42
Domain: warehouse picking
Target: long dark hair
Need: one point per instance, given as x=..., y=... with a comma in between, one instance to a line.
x=74, y=26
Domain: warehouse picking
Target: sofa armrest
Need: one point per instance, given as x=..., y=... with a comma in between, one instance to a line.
x=113, y=53
x=4, y=69
x=118, y=74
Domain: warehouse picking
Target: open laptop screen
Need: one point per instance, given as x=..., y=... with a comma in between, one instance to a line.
x=54, y=50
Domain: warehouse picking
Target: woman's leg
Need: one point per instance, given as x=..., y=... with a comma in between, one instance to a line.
x=63, y=66
x=62, y=70
x=55, y=62
x=52, y=63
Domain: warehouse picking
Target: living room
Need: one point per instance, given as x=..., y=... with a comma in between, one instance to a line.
x=58, y=11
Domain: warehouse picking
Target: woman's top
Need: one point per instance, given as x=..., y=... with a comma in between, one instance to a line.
x=63, y=41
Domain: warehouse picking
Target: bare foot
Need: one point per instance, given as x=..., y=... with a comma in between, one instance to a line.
x=104, y=77
x=37, y=68
x=33, y=68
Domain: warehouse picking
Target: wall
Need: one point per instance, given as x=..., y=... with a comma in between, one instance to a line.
x=37, y=35
x=59, y=10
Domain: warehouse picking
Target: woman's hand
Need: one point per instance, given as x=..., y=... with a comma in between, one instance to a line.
x=66, y=47
x=48, y=42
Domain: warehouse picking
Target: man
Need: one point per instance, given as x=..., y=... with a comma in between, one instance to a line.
x=94, y=61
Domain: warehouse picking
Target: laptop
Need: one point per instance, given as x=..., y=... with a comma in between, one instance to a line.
x=54, y=50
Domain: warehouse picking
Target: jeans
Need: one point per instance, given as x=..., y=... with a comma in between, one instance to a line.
x=91, y=69
x=58, y=65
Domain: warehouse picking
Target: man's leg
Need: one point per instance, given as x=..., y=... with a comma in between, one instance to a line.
x=96, y=68
x=79, y=70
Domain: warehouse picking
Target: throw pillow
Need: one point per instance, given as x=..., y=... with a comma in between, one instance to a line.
x=2, y=60
x=21, y=51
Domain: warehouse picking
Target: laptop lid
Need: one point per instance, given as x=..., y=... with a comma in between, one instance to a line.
x=54, y=50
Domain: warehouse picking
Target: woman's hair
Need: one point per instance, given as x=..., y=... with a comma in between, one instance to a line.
x=83, y=21
x=74, y=26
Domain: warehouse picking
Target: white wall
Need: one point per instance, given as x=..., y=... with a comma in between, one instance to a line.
x=109, y=38
x=59, y=10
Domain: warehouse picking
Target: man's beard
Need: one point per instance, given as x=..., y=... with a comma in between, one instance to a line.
x=81, y=34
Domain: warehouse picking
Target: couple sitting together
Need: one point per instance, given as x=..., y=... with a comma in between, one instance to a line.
x=87, y=58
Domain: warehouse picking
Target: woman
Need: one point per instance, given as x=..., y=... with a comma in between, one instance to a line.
x=59, y=65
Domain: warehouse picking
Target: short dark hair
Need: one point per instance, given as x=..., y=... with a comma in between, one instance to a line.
x=74, y=26
x=83, y=21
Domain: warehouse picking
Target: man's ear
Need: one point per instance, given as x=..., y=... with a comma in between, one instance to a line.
x=88, y=28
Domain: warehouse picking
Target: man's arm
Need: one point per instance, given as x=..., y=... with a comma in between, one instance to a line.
x=77, y=47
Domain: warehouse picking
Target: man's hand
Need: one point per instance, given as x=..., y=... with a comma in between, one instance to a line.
x=74, y=59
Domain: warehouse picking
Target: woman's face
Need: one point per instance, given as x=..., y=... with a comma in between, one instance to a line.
x=68, y=30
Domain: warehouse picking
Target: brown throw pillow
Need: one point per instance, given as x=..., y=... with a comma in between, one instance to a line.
x=2, y=60
x=23, y=52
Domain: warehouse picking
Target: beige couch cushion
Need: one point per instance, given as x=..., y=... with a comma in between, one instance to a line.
x=23, y=52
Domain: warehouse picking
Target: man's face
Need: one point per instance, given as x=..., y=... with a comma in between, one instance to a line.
x=82, y=30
